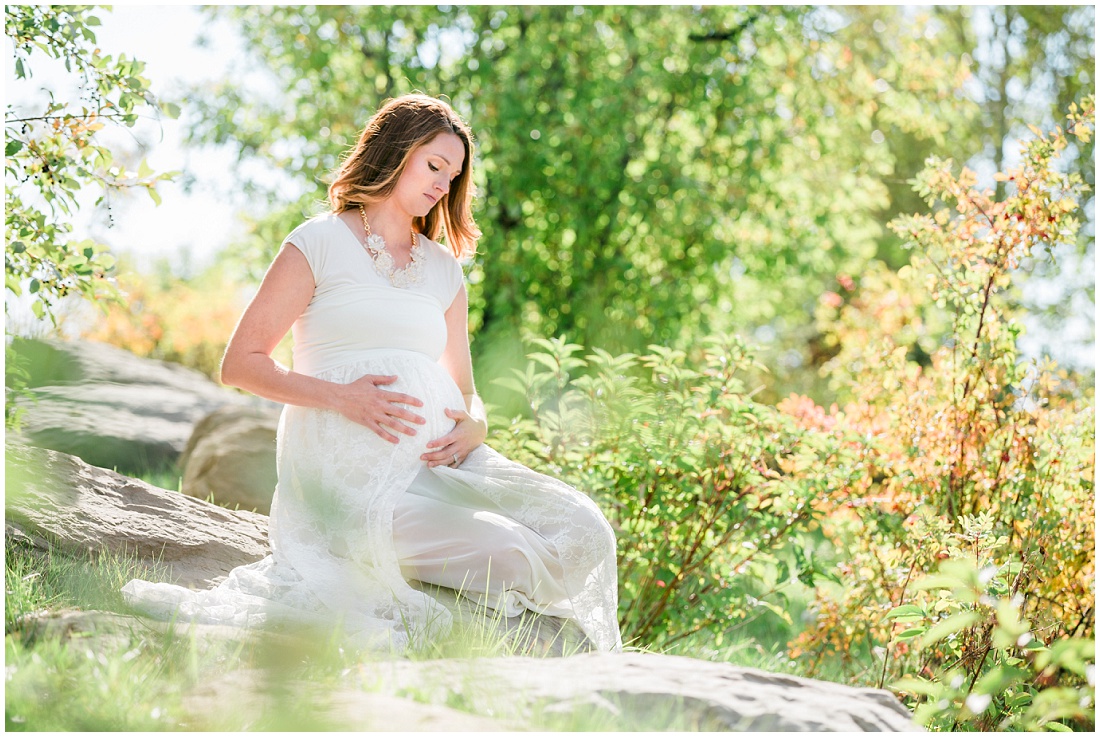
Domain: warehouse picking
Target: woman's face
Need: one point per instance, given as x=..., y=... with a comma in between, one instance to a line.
x=428, y=174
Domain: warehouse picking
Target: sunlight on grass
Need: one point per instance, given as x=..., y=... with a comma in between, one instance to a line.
x=76, y=660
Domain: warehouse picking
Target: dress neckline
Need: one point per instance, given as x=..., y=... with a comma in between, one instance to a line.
x=362, y=249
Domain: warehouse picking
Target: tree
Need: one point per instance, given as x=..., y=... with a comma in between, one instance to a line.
x=646, y=173
x=54, y=153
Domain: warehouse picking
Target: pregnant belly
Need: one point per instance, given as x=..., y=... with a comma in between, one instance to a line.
x=338, y=480
x=418, y=376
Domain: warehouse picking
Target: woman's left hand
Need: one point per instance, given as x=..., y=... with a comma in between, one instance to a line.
x=452, y=448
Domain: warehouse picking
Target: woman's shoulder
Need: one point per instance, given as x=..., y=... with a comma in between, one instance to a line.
x=438, y=250
x=442, y=255
x=316, y=238
x=447, y=276
x=317, y=226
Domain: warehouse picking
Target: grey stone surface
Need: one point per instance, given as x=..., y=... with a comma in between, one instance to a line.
x=230, y=458
x=638, y=691
x=57, y=501
x=260, y=694
x=112, y=408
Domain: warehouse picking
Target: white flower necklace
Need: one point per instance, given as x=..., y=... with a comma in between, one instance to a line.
x=383, y=261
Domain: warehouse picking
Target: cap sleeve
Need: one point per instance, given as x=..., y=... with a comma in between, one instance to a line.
x=306, y=237
x=455, y=278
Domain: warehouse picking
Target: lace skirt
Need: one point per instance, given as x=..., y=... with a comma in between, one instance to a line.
x=333, y=553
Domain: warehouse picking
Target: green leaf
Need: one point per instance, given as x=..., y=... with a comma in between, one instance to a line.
x=154, y=195
x=775, y=609
x=11, y=281
x=905, y=610
x=910, y=633
x=949, y=626
x=917, y=685
x=511, y=382
x=13, y=147
x=546, y=360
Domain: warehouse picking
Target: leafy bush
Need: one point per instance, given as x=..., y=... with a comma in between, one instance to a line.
x=54, y=153
x=976, y=659
x=706, y=489
x=963, y=441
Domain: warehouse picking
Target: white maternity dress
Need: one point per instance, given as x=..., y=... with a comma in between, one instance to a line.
x=354, y=516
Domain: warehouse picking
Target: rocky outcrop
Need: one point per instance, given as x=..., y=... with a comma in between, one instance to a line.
x=638, y=691
x=230, y=458
x=112, y=408
x=56, y=501
x=632, y=692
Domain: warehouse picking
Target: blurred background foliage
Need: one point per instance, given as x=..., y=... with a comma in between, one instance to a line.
x=651, y=174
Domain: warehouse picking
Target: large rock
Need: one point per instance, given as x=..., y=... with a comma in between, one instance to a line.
x=56, y=501
x=112, y=408
x=230, y=458
x=637, y=691
x=633, y=692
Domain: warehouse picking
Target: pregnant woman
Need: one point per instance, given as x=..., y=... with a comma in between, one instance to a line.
x=383, y=475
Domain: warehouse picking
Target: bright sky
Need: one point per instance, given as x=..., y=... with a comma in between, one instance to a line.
x=202, y=221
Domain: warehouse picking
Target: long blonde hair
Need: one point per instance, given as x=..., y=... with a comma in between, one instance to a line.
x=370, y=171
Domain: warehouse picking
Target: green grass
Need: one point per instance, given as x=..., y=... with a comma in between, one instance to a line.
x=131, y=674
x=116, y=679
x=170, y=478
x=36, y=581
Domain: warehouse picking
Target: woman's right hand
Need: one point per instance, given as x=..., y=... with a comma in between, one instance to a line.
x=364, y=401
